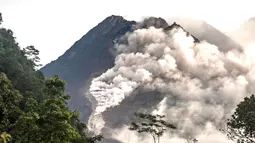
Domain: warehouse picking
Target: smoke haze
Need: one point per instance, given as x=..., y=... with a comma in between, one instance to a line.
x=244, y=34
x=165, y=70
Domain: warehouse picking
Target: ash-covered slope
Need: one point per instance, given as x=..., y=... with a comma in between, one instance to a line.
x=88, y=56
x=166, y=70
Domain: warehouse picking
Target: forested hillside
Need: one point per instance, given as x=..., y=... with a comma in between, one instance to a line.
x=32, y=109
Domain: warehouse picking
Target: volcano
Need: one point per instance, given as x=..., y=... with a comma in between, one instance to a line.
x=120, y=67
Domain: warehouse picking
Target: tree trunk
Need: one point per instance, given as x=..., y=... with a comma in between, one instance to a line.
x=158, y=138
x=154, y=139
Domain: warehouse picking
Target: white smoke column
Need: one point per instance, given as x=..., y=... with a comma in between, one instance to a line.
x=201, y=84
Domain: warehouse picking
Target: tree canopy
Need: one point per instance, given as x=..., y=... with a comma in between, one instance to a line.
x=15, y=63
x=155, y=125
x=9, y=105
x=45, y=121
x=241, y=125
x=1, y=19
x=33, y=109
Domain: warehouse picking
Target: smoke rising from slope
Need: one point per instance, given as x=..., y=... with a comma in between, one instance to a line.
x=194, y=84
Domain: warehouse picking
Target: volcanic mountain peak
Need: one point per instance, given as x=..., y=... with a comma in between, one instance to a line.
x=156, y=22
x=159, y=22
x=115, y=19
x=91, y=54
x=175, y=25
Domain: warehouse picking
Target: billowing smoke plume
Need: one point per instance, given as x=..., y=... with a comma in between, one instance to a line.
x=167, y=71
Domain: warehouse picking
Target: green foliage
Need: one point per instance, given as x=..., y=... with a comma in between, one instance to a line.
x=32, y=109
x=241, y=125
x=56, y=117
x=152, y=124
x=9, y=104
x=19, y=69
x=49, y=121
x=33, y=55
x=4, y=137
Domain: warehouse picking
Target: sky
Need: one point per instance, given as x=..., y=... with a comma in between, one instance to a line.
x=53, y=26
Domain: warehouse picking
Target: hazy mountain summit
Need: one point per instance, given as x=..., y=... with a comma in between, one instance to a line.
x=245, y=33
x=204, y=31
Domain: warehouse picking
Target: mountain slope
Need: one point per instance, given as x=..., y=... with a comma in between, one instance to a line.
x=166, y=70
x=91, y=54
x=87, y=56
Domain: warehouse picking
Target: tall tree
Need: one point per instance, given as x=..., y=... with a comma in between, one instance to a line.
x=50, y=120
x=33, y=55
x=57, y=113
x=9, y=105
x=18, y=66
x=241, y=125
x=152, y=124
x=1, y=19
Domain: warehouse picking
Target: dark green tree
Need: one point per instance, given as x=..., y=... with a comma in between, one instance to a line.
x=241, y=125
x=27, y=128
x=152, y=124
x=9, y=105
x=57, y=120
x=1, y=19
x=19, y=69
x=50, y=120
x=33, y=109
x=33, y=55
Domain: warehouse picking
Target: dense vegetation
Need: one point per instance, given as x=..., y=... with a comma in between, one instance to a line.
x=33, y=109
x=241, y=125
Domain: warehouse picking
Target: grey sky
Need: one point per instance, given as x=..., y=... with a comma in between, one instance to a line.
x=52, y=26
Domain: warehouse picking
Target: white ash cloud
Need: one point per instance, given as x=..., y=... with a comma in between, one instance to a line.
x=201, y=84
